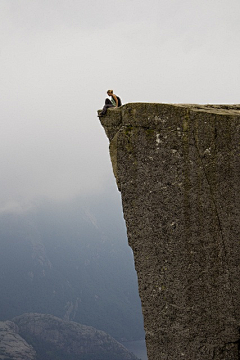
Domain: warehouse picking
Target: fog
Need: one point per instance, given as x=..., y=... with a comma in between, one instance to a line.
x=58, y=58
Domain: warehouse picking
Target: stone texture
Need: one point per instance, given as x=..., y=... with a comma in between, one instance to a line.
x=178, y=170
x=12, y=345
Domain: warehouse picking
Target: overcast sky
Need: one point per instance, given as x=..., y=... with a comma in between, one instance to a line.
x=58, y=58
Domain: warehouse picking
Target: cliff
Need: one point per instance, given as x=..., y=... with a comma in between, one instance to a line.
x=178, y=170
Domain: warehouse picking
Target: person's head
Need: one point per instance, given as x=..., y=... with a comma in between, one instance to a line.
x=110, y=92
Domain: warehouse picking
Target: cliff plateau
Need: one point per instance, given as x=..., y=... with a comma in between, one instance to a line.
x=178, y=170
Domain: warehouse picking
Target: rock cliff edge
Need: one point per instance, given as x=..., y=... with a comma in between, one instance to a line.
x=178, y=170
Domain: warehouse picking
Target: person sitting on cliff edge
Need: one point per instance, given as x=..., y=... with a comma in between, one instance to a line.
x=114, y=102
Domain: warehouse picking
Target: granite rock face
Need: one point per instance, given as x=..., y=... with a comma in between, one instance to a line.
x=178, y=170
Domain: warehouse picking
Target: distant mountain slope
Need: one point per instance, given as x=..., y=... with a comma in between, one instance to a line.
x=12, y=345
x=46, y=337
x=70, y=260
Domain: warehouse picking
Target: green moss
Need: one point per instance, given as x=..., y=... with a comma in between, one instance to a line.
x=128, y=133
x=131, y=134
x=149, y=133
x=128, y=130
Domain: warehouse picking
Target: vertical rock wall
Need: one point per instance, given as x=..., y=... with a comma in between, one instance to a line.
x=178, y=170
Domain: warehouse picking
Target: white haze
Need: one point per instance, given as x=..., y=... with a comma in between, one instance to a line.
x=58, y=58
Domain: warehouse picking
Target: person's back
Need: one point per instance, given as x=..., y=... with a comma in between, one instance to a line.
x=119, y=101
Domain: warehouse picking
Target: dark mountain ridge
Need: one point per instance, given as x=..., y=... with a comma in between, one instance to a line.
x=70, y=260
x=46, y=337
